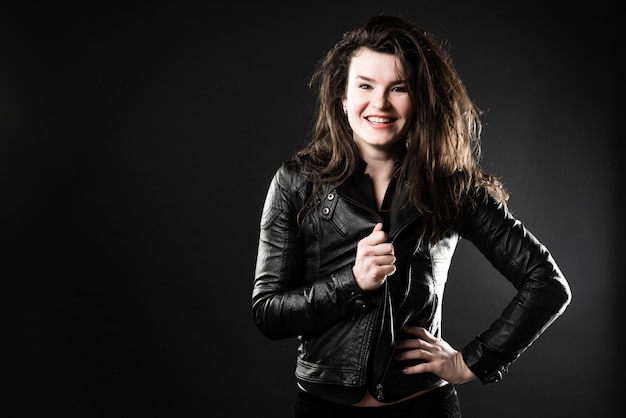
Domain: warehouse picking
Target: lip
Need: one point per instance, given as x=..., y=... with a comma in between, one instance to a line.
x=380, y=121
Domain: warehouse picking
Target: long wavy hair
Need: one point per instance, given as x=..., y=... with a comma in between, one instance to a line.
x=441, y=158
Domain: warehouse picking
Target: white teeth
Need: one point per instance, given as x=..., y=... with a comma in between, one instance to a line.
x=378, y=120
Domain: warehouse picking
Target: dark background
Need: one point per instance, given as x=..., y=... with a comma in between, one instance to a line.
x=136, y=146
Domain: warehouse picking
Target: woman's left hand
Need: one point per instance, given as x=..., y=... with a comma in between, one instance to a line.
x=437, y=355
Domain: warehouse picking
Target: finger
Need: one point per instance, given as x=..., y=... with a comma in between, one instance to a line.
x=380, y=253
x=412, y=330
x=427, y=336
x=382, y=270
x=390, y=268
x=383, y=249
x=415, y=345
x=419, y=368
x=414, y=354
x=378, y=236
x=419, y=332
x=408, y=344
x=382, y=256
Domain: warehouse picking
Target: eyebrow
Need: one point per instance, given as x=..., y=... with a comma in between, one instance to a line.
x=365, y=78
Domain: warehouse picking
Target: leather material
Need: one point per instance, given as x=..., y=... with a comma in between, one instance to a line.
x=304, y=286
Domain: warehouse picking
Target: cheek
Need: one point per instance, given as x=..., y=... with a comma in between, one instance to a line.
x=406, y=110
x=357, y=106
x=356, y=102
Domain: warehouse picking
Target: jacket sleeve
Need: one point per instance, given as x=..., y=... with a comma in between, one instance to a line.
x=284, y=303
x=542, y=291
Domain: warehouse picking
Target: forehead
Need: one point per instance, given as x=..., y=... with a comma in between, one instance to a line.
x=368, y=63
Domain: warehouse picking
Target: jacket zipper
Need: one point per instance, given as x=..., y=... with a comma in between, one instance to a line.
x=378, y=387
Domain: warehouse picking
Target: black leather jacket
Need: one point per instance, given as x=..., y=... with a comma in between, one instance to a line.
x=304, y=286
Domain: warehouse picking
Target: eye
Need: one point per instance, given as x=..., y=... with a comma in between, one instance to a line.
x=365, y=86
x=399, y=89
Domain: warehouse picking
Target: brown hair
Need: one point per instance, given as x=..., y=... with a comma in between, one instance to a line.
x=442, y=153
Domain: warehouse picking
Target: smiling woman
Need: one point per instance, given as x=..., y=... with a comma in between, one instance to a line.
x=136, y=142
x=359, y=229
x=379, y=111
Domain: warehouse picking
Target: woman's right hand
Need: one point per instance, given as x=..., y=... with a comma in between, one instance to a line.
x=375, y=260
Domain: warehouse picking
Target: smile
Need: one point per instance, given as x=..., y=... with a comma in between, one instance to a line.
x=376, y=119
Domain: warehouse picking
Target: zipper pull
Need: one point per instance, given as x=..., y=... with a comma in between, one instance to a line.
x=379, y=392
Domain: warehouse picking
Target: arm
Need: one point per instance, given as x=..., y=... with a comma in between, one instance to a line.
x=542, y=291
x=284, y=303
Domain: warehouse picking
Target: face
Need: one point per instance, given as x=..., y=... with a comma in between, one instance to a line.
x=377, y=102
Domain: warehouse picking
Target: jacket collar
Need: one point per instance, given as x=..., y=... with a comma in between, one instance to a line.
x=402, y=212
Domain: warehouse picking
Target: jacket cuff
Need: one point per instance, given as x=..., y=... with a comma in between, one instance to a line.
x=357, y=300
x=486, y=368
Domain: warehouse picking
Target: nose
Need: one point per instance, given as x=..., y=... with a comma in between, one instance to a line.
x=380, y=101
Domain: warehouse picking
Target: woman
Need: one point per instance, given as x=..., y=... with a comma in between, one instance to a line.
x=359, y=229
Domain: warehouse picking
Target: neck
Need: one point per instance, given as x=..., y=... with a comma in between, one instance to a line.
x=380, y=170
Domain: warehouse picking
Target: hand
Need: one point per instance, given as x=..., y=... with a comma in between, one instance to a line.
x=438, y=356
x=374, y=260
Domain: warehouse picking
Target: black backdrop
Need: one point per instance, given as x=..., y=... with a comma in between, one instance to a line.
x=137, y=144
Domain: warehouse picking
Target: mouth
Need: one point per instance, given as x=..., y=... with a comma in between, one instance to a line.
x=379, y=120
